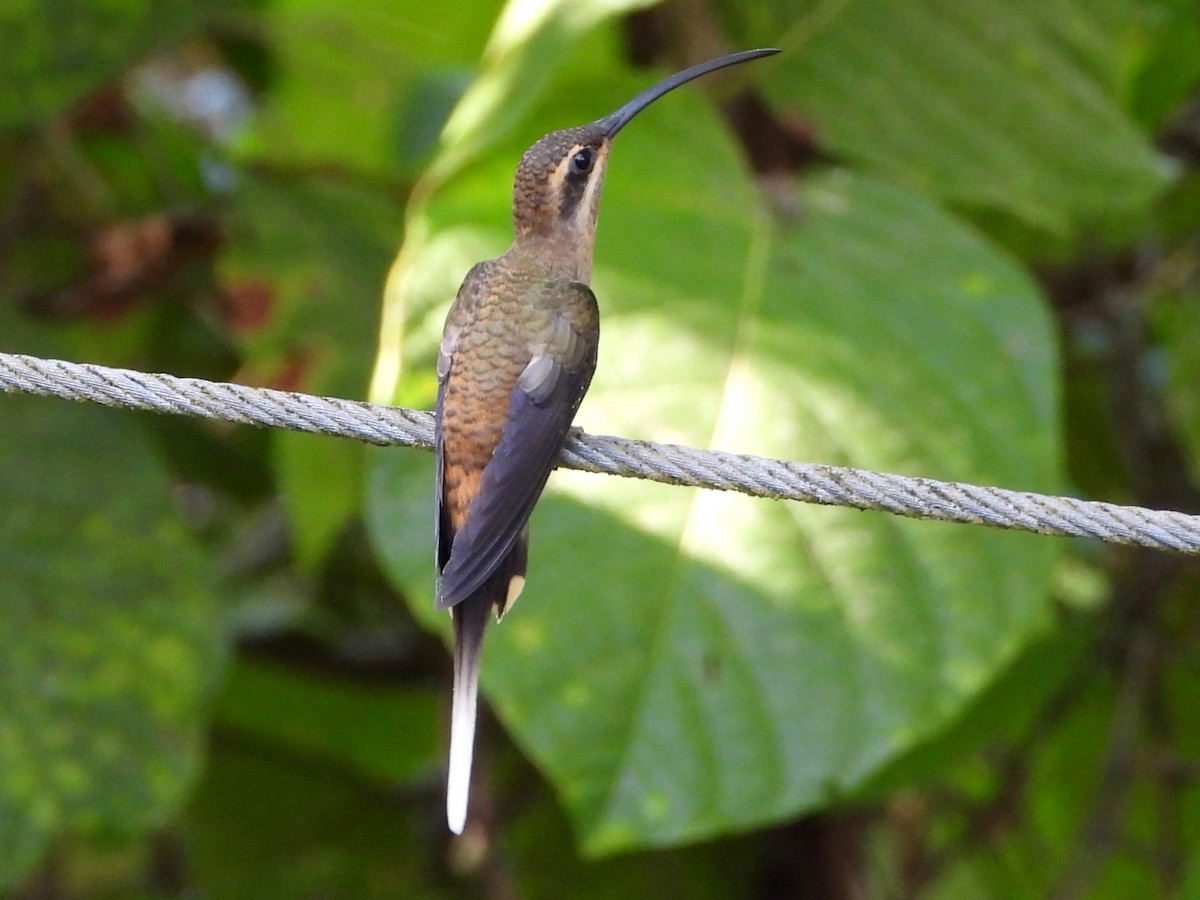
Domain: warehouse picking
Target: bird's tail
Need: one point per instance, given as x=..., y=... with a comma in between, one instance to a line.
x=470, y=622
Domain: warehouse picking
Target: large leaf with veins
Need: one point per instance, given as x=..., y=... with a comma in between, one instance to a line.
x=1007, y=108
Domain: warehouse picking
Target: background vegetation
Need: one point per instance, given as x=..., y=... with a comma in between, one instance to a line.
x=959, y=240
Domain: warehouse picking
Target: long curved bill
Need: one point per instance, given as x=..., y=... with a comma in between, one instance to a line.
x=614, y=122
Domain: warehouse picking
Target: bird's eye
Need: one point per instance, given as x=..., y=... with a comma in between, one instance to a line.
x=581, y=162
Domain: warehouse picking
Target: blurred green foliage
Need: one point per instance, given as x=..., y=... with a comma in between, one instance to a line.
x=953, y=240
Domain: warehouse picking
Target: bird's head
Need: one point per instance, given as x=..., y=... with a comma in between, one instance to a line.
x=556, y=197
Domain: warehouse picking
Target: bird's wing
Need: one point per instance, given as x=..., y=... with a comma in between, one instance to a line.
x=443, y=533
x=541, y=408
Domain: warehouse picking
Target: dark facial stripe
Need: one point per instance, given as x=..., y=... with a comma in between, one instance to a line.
x=573, y=189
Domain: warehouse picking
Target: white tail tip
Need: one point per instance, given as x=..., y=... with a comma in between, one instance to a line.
x=462, y=746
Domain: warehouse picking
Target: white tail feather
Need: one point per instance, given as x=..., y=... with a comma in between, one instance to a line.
x=462, y=746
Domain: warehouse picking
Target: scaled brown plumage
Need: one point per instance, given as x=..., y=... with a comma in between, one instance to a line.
x=517, y=355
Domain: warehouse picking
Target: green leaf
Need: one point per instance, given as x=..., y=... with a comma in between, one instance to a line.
x=1166, y=49
x=270, y=825
x=526, y=46
x=707, y=871
x=52, y=54
x=1191, y=882
x=111, y=644
x=1063, y=795
x=1002, y=713
x=1176, y=366
x=1010, y=109
x=382, y=733
x=358, y=85
x=684, y=662
x=321, y=482
x=316, y=252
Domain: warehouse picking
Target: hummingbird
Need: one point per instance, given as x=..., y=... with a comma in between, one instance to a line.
x=517, y=355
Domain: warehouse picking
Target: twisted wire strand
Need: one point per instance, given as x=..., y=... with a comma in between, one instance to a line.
x=757, y=476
